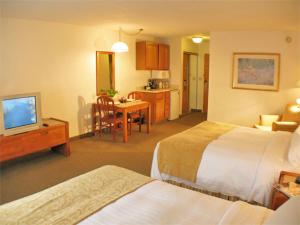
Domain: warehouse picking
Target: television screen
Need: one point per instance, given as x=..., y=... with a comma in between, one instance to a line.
x=18, y=112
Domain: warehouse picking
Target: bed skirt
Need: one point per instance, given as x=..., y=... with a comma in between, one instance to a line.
x=215, y=194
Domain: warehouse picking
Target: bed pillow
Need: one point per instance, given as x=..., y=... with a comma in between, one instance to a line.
x=294, y=149
x=288, y=213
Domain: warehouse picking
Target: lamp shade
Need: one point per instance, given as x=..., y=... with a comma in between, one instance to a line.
x=119, y=47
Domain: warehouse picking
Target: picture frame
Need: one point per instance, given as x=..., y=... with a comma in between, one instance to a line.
x=256, y=71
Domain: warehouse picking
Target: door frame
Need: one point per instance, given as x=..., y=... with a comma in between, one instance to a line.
x=206, y=82
x=186, y=53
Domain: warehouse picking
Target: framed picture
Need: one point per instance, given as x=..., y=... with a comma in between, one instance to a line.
x=256, y=71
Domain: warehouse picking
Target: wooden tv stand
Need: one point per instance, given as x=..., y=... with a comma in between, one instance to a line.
x=54, y=135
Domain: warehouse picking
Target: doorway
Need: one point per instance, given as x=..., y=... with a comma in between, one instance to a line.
x=195, y=87
x=190, y=88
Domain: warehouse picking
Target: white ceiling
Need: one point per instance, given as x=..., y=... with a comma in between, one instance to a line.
x=162, y=18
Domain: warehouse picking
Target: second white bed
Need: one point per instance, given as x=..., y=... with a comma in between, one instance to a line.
x=244, y=162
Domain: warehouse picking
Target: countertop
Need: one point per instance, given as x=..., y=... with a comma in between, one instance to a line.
x=157, y=90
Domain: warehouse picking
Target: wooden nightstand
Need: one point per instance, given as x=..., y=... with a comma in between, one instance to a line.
x=281, y=191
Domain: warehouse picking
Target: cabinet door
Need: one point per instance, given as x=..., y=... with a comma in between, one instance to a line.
x=149, y=97
x=160, y=110
x=151, y=55
x=141, y=55
x=167, y=104
x=163, y=57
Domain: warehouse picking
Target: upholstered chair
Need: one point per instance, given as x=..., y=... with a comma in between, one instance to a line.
x=288, y=121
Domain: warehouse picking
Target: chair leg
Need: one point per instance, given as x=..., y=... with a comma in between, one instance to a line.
x=114, y=131
x=140, y=121
x=100, y=130
x=110, y=128
x=130, y=127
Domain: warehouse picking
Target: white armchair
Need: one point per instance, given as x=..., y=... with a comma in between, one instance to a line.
x=288, y=121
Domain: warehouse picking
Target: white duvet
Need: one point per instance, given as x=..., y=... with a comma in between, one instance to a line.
x=244, y=162
x=161, y=203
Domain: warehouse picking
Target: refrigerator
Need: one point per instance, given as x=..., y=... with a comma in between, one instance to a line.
x=174, y=104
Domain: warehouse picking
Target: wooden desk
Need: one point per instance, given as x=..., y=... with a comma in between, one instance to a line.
x=125, y=108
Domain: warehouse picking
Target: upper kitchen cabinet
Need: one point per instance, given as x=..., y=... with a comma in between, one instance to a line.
x=152, y=56
x=163, y=57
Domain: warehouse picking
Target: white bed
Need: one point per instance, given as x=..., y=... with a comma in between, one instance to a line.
x=163, y=203
x=116, y=196
x=244, y=162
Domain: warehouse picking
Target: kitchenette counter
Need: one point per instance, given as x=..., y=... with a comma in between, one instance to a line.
x=160, y=103
x=156, y=90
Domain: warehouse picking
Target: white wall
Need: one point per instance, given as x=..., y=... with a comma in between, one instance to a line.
x=58, y=60
x=187, y=45
x=175, y=63
x=244, y=106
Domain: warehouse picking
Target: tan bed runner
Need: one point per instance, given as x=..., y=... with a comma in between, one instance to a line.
x=73, y=200
x=180, y=154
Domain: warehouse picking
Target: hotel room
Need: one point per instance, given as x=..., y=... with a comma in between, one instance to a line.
x=150, y=112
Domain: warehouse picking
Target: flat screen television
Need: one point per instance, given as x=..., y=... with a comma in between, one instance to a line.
x=20, y=113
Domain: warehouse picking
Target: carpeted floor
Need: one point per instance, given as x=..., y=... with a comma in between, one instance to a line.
x=30, y=174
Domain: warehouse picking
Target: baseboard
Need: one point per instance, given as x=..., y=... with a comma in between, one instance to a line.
x=196, y=110
x=81, y=136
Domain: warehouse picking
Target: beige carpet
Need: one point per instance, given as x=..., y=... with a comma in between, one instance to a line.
x=27, y=175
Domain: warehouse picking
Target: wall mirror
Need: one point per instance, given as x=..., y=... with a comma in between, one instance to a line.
x=105, y=71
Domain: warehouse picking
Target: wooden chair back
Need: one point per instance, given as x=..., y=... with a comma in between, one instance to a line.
x=134, y=95
x=105, y=106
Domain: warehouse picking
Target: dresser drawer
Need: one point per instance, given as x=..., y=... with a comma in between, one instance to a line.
x=45, y=138
x=11, y=148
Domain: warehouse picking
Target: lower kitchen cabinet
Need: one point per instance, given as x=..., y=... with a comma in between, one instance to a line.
x=160, y=104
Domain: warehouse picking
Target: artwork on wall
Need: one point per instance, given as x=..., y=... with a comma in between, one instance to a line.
x=256, y=71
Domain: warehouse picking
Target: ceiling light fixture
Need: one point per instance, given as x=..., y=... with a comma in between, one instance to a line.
x=122, y=46
x=197, y=40
x=119, y=46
